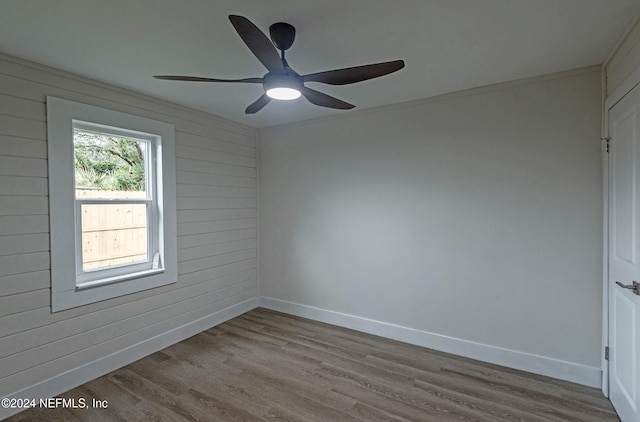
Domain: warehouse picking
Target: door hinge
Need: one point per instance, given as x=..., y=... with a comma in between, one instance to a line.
x=607, y=143
x=606, y=353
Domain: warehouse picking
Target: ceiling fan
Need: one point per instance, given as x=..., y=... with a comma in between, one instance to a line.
x=282, y=82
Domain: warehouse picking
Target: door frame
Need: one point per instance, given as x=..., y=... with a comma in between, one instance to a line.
x=609, y=101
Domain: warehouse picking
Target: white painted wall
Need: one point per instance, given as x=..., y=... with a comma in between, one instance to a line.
x=476, y=216
x=216, y=211
x=623, y=61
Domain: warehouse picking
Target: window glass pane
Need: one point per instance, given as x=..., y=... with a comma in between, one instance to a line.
x=109, y=166
x=113, y=235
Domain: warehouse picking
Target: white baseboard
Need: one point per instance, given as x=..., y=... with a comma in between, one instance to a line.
x=568, y=371
x=78, y=376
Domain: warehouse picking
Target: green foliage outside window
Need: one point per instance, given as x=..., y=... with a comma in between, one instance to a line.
x=108, y=163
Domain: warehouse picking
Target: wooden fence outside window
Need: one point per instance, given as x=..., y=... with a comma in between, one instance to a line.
x=112, y=234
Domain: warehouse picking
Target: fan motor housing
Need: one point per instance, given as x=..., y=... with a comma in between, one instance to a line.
x=283, y=80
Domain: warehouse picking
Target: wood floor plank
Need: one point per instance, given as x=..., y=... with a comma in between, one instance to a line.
x=283, y=415
x=578, y=411
x=370, y=413
x=474, y=392
x=269, y=366
x=427, y=400
x=208, y=408
x=171, y=373
x=300, y=401
x=147, y=391
x=160, y=373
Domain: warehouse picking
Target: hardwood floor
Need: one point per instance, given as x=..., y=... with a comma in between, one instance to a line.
x=268, y=366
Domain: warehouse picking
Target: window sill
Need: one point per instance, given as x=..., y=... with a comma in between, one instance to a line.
x=117, y=279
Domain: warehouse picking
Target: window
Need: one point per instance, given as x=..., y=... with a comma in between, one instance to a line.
x=111, y=196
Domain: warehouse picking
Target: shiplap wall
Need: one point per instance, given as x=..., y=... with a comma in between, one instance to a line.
x=624, y=60
x=216, y=176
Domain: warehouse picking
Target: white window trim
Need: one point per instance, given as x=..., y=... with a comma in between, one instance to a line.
x=65, y=292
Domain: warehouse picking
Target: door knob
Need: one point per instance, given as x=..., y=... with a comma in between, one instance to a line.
x=635, y=287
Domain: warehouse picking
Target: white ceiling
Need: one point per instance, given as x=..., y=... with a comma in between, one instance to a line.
x=448, y=45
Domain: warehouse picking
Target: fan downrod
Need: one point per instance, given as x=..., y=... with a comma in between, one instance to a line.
x=282, y=35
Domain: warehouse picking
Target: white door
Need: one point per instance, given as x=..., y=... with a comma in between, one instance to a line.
x=624, y=256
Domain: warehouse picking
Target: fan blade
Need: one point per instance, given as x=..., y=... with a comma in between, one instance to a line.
x=354, y=74
x=258, y=104
x=199, y=79
x=258, y=43
x=324, y=100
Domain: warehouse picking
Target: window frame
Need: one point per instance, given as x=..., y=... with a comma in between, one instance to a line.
x=69, y=287
x=112, y=274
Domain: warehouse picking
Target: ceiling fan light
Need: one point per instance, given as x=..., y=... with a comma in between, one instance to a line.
x=283, y=93
x=283, y=86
